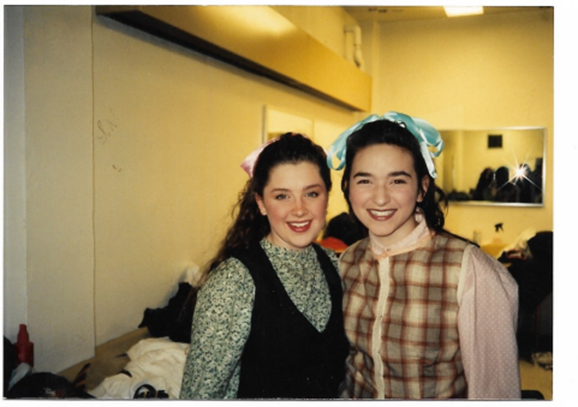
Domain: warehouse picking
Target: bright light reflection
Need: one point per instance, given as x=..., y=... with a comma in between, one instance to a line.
x=522, y=172
x=256, y=20
x=463, y=11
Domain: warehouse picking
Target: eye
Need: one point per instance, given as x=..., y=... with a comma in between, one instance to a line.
x=362, y=181
x=281, y=197
x=399, y=181
x=312, y=194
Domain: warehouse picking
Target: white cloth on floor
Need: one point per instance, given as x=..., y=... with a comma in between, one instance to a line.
x=158, y=362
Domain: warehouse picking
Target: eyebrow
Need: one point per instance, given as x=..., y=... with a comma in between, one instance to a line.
x=400, y=173
x=312, y=186
x=391, y=174
x=361, y=174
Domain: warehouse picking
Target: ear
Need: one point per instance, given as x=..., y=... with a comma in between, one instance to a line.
x=344, y=185
x=261, y=205
x=424, y=187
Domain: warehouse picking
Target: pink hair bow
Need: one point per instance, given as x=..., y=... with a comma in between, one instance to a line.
x=248, y=163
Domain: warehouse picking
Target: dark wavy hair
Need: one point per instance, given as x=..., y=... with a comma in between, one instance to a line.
x=249, y=225
x=392, y=133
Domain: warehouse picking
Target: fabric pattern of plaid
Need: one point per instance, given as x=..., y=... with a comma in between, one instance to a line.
x=404, y=339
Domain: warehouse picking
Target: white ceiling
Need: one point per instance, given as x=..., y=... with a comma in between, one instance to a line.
x=402, y=13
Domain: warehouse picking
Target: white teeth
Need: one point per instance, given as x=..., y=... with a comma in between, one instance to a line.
x=381, y=213
x=299, y=224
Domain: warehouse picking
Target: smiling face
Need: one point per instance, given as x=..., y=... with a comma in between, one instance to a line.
x=295, y=203
x=383, y=191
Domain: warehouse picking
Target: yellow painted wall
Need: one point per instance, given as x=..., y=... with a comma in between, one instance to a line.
x=471, y=73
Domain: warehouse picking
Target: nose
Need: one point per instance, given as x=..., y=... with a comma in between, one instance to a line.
x=381, y=195
x=299, y=209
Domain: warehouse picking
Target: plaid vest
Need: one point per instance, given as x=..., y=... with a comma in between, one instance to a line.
x=404, y=339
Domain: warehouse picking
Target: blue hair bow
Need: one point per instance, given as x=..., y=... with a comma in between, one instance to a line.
x=425, y=133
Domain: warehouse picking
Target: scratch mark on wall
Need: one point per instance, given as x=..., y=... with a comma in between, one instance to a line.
x=107, y=128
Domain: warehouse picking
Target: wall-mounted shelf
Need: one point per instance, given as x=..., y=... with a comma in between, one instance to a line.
x=257, y=39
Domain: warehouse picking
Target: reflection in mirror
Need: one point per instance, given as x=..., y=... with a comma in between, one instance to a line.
x=277, y=122
x=502, y=166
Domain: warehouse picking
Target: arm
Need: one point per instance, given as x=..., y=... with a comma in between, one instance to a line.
x=221, y=325
x=487, y=322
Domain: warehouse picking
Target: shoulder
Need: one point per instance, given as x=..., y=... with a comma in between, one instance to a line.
x=449, y=248
x=482, y=259
x=486, y=269
x=227, y=296
x=450, y=241
x=356, y=251
x=229, y=278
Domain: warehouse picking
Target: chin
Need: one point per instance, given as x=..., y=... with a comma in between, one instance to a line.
x=302, y=243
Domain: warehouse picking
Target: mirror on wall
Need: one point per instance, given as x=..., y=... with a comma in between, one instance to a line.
x=277, y=122
x=499, y=166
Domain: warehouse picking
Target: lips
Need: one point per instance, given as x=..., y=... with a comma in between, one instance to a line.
x=380, y=214
x=299, y=227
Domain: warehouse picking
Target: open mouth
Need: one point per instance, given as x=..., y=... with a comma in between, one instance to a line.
x=381, y=215
x=299, y=226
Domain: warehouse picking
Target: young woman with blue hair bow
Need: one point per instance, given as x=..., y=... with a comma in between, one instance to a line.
x=427, y=313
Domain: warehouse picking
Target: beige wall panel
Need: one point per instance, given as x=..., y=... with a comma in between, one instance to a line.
x=60, y=257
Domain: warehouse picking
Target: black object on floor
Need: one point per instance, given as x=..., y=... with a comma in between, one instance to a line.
x=532, y=395
x=45, y=386
x=176, y=318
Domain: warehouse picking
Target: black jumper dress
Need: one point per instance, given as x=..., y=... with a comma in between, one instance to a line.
x=285, y=356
